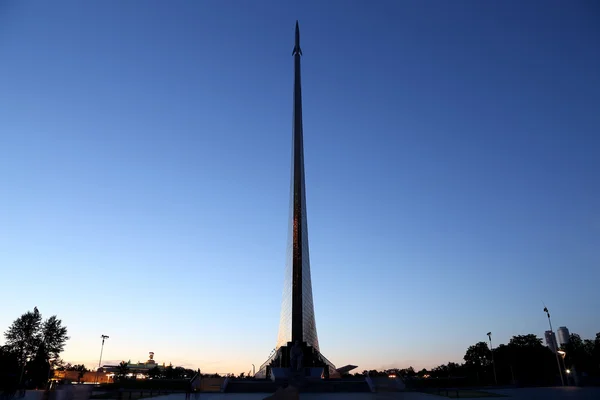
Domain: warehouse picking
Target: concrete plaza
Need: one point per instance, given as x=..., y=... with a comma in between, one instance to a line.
x=307, y=396
x=551, y=393
x=544, y=393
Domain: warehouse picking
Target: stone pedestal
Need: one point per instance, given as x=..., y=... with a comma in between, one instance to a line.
x=287, y=375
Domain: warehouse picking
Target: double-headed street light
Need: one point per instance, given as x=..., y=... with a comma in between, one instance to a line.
x=103, y=337
x=493, y=362
x=562, y=380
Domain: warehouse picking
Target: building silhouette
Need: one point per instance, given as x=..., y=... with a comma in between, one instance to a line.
x=551, y=340
x=563, y=335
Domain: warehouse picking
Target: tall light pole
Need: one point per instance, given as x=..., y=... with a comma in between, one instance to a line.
x=103, y=337
x=27, y=359
x=554, y=344
x=50, y=361
x=493, y=362
x=562, y=355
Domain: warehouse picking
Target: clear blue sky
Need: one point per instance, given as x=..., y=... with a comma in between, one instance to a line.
x=452, y=168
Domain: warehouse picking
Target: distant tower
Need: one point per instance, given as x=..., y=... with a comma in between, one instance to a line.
x=551, y=341
x=563, y=335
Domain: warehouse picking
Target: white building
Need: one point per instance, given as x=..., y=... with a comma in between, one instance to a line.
x=563, y=335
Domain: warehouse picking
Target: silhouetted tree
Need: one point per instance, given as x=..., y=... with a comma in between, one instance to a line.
x=9, y=368
x=37, y=370
x=441, y=371
x=122, y=370
x=35, y=342
x=28, y=335
x=65, y=367
x=169, y=372
x=478, y=355
x=81, y=370
x=526, y=341
x=58, y=364
x=407, y=372
x=504, y=357
x=455, y=369
x=24, y=335
x=596, y=354
x=580, y=354
x=155, y=373
x=188, y=373
x=179, y=373
x=53, y=336
x=533, y=363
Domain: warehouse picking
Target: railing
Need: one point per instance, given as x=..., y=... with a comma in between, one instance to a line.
x=269, y=360
x=276, y=353
x=325, y=360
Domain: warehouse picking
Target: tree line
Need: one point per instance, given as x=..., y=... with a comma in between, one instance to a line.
x=31, y=346
x=523, y=361
x=167, y=373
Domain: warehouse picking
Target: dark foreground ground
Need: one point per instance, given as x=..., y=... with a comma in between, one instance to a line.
x=553, y=393
x=546, y=393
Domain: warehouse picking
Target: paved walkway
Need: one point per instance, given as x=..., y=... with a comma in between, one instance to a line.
x=551, y=393
x=306, y=396
x=33, y=395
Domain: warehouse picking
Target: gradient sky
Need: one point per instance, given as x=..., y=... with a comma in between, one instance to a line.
x=452, y=157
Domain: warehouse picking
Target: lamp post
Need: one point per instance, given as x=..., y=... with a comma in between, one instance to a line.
x=562, y=355
x=27, y=359
x=562, y=380
x=493, y=362
x=50, y=361
x=103, y=337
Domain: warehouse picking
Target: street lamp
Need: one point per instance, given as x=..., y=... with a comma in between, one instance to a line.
x=103, y=337
x=555, y=353
x=493, y=362
x=568, y=371
x=27, y=359
x=50, y=361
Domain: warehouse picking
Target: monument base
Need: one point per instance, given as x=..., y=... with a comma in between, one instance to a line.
x=282, y=360
x=279, y=374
